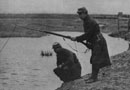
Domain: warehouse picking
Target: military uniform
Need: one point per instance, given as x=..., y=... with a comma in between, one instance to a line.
x=100, y=57
x=71, y=68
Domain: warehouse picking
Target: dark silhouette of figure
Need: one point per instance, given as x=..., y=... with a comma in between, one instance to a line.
x=97, y=43
x=68, y=66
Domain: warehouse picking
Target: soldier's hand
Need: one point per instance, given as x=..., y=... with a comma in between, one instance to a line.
x=73, y=38
x=59, y=66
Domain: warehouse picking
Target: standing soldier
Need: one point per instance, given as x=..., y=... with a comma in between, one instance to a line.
x=68, y=66
x=96, y=42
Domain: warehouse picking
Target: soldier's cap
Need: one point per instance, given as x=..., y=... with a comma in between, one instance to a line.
x=82, y=10
x=56, y=45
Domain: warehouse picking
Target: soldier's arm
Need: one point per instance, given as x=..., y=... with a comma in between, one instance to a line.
x=91, y=29
x=87, y=35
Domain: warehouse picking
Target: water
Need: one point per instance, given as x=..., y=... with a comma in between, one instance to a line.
x=23, y=68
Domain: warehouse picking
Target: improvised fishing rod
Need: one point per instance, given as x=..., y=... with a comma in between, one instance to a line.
x=48, y=32
x=60, y=35
x=87, y=44
x=56, y=34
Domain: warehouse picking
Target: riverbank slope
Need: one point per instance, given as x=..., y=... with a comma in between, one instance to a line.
x=115, y=78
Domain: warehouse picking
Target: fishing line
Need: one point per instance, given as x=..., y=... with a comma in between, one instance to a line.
x=70, y=45
x=46, y=25
x=7, y=39
x=30, y=28
x=75, y=47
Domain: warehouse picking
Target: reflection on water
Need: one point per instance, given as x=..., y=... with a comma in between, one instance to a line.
x=23, y=68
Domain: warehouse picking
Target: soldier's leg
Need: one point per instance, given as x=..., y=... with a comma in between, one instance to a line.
x=67, y=75
x=59, y=73
x=94, y=75
x=95, y=70
x=63, y=74
x=75, y=72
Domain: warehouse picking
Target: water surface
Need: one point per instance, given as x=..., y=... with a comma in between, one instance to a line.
x=22, y=67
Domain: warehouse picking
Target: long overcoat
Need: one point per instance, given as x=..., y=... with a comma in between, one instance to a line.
x=98, y=43
x=67, y=59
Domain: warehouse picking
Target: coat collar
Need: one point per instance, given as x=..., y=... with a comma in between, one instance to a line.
x=87, y=19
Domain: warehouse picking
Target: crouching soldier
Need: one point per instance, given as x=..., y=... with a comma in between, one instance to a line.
x=68, y=66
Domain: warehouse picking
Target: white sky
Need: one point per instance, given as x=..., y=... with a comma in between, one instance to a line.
x=64, y=6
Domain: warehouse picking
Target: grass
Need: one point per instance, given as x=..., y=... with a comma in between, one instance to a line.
x=51, y=24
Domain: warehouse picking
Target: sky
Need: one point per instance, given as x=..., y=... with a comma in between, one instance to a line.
x=64, y=6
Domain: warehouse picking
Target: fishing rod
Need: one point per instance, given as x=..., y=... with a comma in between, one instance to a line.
x=52, y=33
x=48, y=32
x=60, y=35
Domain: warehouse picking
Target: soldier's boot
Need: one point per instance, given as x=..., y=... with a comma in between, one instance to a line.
x=93, y=78
x=94, y=75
